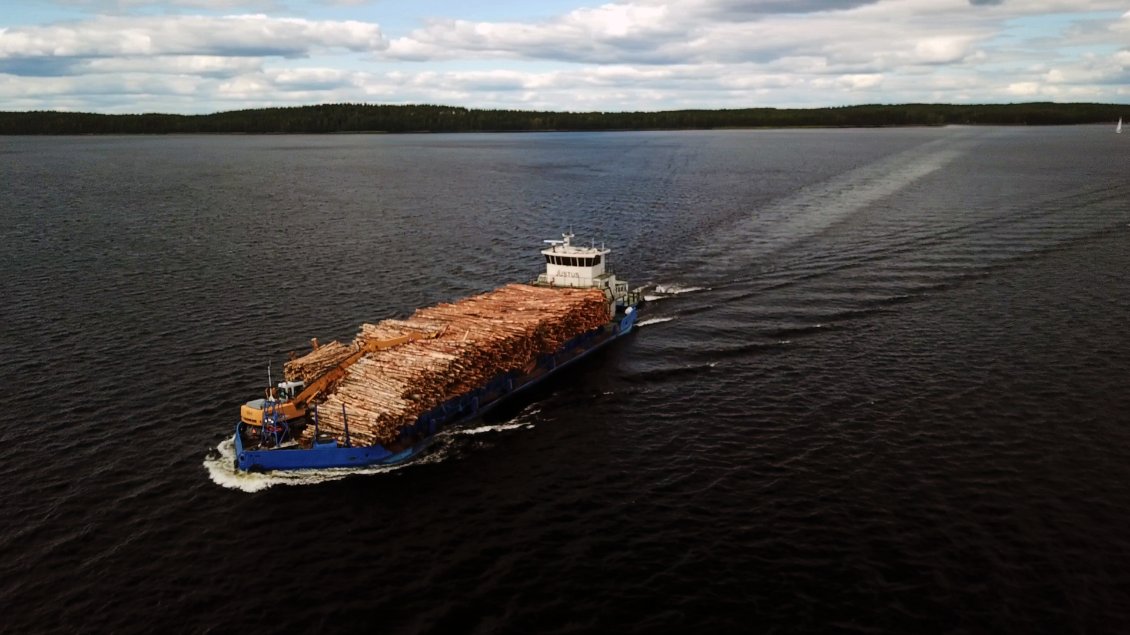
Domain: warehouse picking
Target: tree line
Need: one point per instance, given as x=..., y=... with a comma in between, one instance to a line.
x=329, y=118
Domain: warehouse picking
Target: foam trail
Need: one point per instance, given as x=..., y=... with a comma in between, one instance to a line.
x=658, y=320
x=820, y=206
x=221, y=468
x=494, y=428
x=523, y=420
x=666, y=291
x=221, y=462
x=675, y=289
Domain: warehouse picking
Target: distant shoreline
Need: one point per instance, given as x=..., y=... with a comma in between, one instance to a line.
x=431, y=119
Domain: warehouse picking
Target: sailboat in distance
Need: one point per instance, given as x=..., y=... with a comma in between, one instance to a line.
x=1118, y=128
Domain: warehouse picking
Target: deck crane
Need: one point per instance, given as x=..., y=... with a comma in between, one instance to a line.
x=288, y=401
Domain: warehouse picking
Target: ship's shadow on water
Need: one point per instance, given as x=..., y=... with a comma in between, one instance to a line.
x=879, y=385
x=573, y=387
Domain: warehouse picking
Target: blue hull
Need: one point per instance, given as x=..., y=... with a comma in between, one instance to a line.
x=415, y=438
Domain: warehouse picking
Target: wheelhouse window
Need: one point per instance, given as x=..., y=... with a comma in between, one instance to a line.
x=573, y=261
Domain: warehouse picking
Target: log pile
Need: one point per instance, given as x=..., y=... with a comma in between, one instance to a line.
x=475, y=339
x=316, y=362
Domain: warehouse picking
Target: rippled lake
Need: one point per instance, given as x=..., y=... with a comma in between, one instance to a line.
x=881, y=384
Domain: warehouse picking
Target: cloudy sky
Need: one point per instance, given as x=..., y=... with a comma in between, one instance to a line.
x=192, y=56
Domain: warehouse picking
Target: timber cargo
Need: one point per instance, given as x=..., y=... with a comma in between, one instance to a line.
x=382, y=397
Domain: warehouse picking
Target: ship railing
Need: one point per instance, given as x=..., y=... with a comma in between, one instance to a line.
x=274, y=427
x=631, y=298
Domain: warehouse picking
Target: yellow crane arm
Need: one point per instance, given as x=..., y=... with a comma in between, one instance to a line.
x=252, y=414
x=337, y=372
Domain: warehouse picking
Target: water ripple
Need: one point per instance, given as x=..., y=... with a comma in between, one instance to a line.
x=879, y=385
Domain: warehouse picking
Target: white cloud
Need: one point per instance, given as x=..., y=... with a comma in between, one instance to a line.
x=127, y=6
x=631, y=54
x=198, y=65
x=312, y=79
x=1024, y=89
x=243, y=87
x=253, y=35
x=586, y=34
x=860, y=81
x=659, y=33
x=942, y=49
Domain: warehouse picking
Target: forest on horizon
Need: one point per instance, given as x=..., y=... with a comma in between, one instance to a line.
x=371, y=118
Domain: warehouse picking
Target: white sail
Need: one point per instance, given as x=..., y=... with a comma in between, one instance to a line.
x=1118, y=128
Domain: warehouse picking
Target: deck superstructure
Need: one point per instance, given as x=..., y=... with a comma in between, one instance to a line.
x=569, y=265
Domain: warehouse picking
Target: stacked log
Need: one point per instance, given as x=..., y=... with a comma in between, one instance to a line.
x=475, y=339
x=316, y=362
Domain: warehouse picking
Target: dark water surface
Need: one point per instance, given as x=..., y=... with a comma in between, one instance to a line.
x=887, y=388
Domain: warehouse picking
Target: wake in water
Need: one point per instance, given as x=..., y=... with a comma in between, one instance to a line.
x=494, y=428
x=675, y=289
x=765, y=248
x=806, y=213
x=524, y=421
x=662, y=291
x=220, y=462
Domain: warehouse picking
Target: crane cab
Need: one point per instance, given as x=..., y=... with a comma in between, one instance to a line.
x=288, y=390
x=287, y=401
x=280, y=403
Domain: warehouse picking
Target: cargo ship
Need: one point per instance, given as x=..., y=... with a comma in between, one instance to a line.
x=381, y=399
